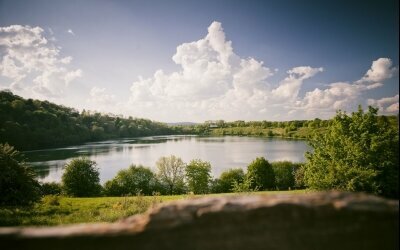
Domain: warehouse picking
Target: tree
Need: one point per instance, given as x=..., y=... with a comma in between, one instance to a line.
x=226, y=181
x=198, y=176
x=171, y=173
x=284, y=174
x=134, y=180
x=260, y=170
x=358, y=153
x=17, y=181
x=81, y=178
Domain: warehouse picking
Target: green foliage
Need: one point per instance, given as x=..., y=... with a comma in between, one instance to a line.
x=50, y=188
x=17, y=181
x=81, y=178
x=134, y=180
x=244, y=187
x=32, y=124
x=285, y=173
x=198, y=176
x=262, y=174
x=226, y=180
x=52, y=200
x=358, y=153
x=171, y=173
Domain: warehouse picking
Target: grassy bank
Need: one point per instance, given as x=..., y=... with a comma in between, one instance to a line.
x=64, y=210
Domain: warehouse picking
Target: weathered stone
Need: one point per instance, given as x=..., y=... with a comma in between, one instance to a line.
x=331, y=220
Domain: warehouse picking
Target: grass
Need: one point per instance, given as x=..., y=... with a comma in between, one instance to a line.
x=54, y=210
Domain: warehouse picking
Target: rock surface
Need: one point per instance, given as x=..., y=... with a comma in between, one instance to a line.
x=331, y=220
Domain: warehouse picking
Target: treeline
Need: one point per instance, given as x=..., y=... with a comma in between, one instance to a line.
x=172, y=176
x=299, y=129
x=32, y=124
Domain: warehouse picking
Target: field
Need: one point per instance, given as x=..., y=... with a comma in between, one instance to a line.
x=54, y=210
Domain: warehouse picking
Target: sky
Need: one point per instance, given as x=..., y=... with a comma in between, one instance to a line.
x=192, y=61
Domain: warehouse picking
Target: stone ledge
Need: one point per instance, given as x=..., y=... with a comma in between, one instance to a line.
x=326, y=220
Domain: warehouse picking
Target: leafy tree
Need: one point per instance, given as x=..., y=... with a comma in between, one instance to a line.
x=171, y=173
x=50, y=188
x=284, y=174
x=198, y=176
x=134, y=180
x=226, y=181
x=17, y=181
x=81, y=178
x=262, y=174
x=358, y=153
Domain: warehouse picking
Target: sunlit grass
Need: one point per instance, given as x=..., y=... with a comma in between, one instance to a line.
x=66, y=210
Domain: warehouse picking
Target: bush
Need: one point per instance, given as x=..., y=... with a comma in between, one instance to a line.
x=50, y=188
x=198, y=176
x=81, y=178
x=52, y=200
x=131, y=181
x=17, y=181
x=171, y=174
x=357, y=153
x=284, y=174
x=260, y=171
x=226, y=181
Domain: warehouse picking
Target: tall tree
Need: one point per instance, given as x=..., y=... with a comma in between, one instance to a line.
x=261, y=173
x=198, y=176
x=171, y=172
x=358, y=153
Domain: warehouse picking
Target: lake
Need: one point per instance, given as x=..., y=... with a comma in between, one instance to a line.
x=111, y=156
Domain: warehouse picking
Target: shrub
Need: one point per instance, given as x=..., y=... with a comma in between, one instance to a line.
x=198, y=176
x=50, y=188
x=52, y=200
x=284, y=172
x=260, y=171
x=357, y=153
x=226, y=181
x=81, y=178
x=131, y=181
x=17, y=181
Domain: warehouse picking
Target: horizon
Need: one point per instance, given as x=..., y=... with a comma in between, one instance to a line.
x=262, y=60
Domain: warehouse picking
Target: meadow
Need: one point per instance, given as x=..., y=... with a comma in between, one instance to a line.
x=59, y=210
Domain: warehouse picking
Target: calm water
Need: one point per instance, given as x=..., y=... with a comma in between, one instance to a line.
x=222, y=152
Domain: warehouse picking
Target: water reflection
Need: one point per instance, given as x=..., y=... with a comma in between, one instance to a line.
x=111, y=156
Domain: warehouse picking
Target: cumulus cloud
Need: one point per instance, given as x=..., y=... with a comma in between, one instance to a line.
x=380, y=70
x=100, y=96
x=216, y=83
x=343, y=95
x=33, y=64
x=386, y=104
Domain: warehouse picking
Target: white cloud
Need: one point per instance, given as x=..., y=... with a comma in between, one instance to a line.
x=386, y=104
x=70, y=32
x=380, y=70
x=290, y=86
x=215, y=83
x=33, y=64
x=99, y=96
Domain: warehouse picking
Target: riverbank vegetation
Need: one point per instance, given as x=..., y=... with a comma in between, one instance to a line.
x=356, y=152
x=29, y=124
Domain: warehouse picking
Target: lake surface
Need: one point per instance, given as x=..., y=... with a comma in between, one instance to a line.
x=222, y=152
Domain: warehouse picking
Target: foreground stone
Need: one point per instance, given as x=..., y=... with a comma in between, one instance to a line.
x=310, y=221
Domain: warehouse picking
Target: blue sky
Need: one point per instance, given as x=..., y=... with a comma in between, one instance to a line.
x=199, y=60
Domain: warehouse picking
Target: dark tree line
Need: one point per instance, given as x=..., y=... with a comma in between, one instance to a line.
x=32, y=124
